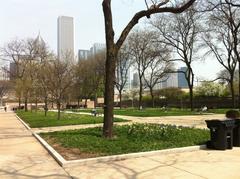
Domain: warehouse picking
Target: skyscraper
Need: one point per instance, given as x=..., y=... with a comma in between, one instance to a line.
x=97, y=47
x=182, y=82
x=83, y=54
x=65, y=37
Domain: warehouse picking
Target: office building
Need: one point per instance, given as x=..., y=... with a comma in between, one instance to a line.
x=65, y=38
x=96, y=48
x=4, y=73
x=135, y=81
x=83, y=54
x=182, y=82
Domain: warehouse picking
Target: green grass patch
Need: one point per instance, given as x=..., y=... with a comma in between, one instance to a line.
x=148, y=112
x=220, y=111
x=127, y=139
x=37, y=119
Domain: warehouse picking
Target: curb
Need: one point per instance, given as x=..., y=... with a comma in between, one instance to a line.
x=25, y=125
x=68, y=163
x=60, y=160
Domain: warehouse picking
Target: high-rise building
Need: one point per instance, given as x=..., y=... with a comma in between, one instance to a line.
x=83, y=54
x=65, y=37
x=135, y=80
x=171, y=80
x=182, y=82
x=4, y=73
x=97, y=47
x=13, y=71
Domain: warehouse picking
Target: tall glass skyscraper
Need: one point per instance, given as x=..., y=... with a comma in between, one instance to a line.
x=182, y=82
x=65, y=37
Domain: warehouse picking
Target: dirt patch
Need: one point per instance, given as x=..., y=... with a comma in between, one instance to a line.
x=69, y=153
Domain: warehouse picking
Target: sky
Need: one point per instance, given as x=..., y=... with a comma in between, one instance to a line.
x=26, y=18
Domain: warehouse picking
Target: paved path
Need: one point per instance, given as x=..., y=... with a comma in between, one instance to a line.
x=188, y=165
x=21, y=155
x=197, y=121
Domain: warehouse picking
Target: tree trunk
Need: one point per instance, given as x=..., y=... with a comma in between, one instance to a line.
x=59, y=110
x=232, y=93
x=19, y=102
x=140, y=94
x=78, y=102
x=26, y=104
x=85, y=104
x=46, y=106
x=191, y=97
x=120, y=98
x=111, y=57
x=36, y=105
x=109, y=94
x=95, y=100
x=152, y=96
x=238, y=84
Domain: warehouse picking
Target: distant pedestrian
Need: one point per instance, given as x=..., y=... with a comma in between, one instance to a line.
x=5, y=109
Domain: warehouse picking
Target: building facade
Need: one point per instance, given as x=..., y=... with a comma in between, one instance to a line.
x=83, y=54
x=182, y=82
x=4, y=73
x=97, y=47
x=65, y=37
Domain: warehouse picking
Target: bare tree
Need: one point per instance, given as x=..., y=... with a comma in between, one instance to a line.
x=226, y=13
x=60, y=80
x=4, y=89
x=158, y=70
x=219, y=41
x=144, y=50
x=113, y=47
x=90, y=76
x=124, y=63
x=180, y=32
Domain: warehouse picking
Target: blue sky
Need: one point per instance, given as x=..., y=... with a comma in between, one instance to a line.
x=25, y=18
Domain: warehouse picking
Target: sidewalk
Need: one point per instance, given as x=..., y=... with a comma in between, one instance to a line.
x=200, y=164
x=21, y=155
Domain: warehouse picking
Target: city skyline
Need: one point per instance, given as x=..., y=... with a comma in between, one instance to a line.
x=27, y=18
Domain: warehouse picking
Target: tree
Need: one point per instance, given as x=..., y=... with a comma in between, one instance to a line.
x=158, y=70
x=90, y=76
x=225, y=27
x=180, y=31
x=208, y=89
x=13, y=52
x=124, y=63
x=143, y=51
x=4, y=89
x=60, y=79
x=113, y=47
x=170, y=93
x=43, y=80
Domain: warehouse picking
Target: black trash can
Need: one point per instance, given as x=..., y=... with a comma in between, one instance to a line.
x=236, y=133
x=221, y=134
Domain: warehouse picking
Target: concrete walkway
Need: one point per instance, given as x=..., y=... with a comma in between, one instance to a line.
x=196, y=121
x=21, y=155
x=187, y=165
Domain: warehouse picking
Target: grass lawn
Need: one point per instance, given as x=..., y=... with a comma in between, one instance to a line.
x=37, y=119
x=148, y=112
x=85, y=143
x=220, y=111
